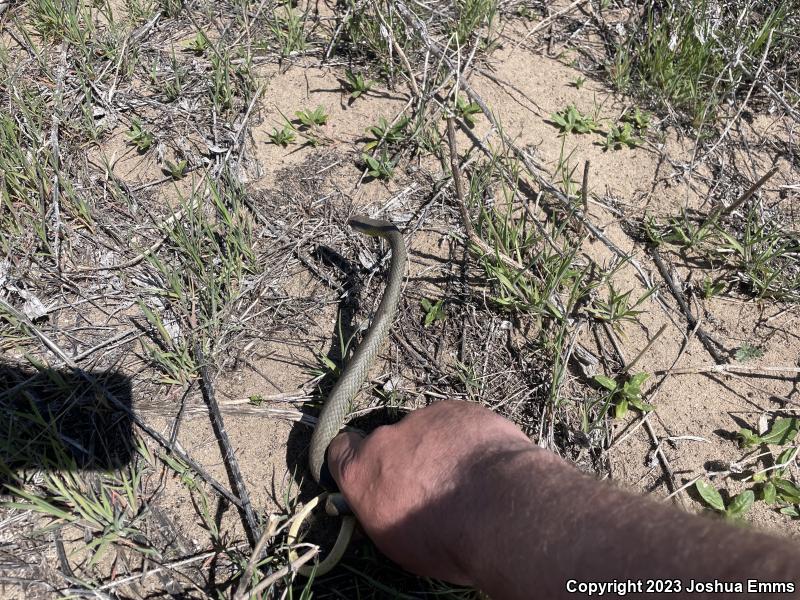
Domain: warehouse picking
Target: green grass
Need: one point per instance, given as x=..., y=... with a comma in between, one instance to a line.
x=201, y=273
x=685, y=56
x=288, y=30
x=755, y=255
x=471, y=17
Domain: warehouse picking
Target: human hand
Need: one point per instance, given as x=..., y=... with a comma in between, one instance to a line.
x=417, y=486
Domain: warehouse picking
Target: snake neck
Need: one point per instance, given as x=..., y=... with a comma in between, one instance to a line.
x=337, y=406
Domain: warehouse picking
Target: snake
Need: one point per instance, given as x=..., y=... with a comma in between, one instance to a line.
x=337, y=405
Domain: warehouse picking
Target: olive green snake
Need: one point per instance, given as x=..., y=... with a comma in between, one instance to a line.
x=336, y=407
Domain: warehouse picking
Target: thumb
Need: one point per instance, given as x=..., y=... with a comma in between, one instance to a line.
x=343, y=454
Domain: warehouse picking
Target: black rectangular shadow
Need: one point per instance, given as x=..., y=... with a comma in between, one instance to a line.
x=60, y=419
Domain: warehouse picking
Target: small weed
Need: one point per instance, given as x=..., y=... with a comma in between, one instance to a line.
x=571, y=120
x=783, y=431
x=620, y=136
x=639, y=119
x=578, y=82
x=617, y=308
x=712, y=287
x=773, y=481
x=472, y=15
x=746, y=352
x=687, y=232
x=624, y=394
x=379, y=168
x=467, y=110
x=282, y=137
x=434, y=311
x=775, y=486
x=383, y=133
x=222, y=83
x=198, y=44
x=469, y=378
x=764, y=256
x=357, y=84
x=289, y=30
x=140, y=137
x=737, y=507
x=256, y=400
x=175, y=170
x=524, y=11
x=310, y=118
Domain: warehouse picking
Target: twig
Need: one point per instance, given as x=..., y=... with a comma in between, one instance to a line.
x=729, y=368
x=646, y=348
x=585, y=188
x=721, y=211
x=112, y=340
x=228, y=455
x=283, y=571
x=709, y=344
x=683, y=487
x=546, y=21
x=462, y=205
x=169, y=566
x=254, y=557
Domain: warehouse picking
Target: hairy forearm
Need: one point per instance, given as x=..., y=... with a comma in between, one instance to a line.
x=545, y=524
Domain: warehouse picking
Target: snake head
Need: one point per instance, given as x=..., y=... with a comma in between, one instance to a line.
x=373, y=227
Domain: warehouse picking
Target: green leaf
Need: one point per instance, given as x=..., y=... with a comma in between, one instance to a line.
x=783, y=431
x=749, y=438
x=747, y=352
x=785, y=458
x=769, y=493
x=787, y=490
x=740, y=504
x=710, y=495
x=621, y=409
x=606, y=382
x=641, y=404
x=791, y=511
x=638, y=379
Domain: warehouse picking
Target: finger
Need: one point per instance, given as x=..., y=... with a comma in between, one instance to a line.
x=342, y=457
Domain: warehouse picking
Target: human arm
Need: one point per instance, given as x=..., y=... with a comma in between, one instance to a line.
x=456, y=492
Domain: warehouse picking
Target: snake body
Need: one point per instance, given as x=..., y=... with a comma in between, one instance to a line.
x=337, y=406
